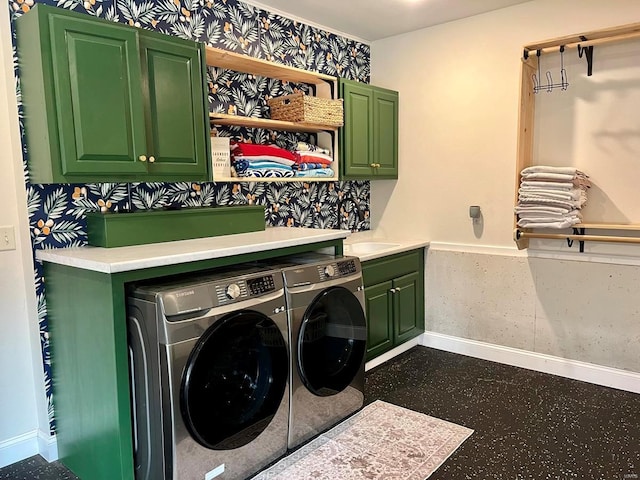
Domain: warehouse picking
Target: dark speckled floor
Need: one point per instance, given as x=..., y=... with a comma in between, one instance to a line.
x=528, y=425
x=36, y=468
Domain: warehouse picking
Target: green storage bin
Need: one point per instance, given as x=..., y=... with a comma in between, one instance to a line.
x=119, y=229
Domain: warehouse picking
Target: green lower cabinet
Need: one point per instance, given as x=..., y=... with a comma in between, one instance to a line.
x=379, y=311
x=106, y=102
x=394, y=299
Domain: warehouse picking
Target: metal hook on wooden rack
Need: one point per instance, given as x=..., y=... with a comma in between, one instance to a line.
x=564, y=83
x=577, y=231
x=588, y=52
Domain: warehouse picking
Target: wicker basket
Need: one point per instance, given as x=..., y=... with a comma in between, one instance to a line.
x=299, y=107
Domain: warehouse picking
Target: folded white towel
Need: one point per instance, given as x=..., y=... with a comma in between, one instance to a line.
x=550, y=169
x=555, y=215
x=565, y=223
x=562, y=177
x=573, y=194
x=557, y=202
x=547, y=185
x=540, y=209
x=571, y=204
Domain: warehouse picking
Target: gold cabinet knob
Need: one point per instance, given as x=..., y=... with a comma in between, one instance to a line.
x=373, y=165
x=142, y=158
x=152, y=159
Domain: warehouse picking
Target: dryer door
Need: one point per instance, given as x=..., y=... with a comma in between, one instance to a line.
x=234, y=380
x=331, y=343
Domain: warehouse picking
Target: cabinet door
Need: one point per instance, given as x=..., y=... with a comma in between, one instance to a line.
x=100, y=116
x=385, y=133
x=379, y=319
x=357, y=133
x=407, y=307
x=176, y=126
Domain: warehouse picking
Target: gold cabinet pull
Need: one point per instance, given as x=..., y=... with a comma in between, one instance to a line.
x=142, y=158
x=152, y=159
x=373, y=165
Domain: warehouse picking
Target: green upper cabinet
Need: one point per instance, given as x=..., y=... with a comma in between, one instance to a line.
x=369, y=138
x=177, y=123
x=106, y=102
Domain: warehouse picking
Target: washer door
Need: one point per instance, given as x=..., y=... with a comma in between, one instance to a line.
x=234, y=380
x=331, y=342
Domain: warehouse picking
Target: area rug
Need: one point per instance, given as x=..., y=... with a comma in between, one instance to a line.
x=382, y=441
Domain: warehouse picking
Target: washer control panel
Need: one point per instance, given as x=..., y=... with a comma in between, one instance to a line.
x=347, y=268
x=241, y=289
x=338, y=269
x=199, y=294
x=261, y=285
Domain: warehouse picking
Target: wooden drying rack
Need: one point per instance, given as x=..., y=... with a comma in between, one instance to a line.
x=526, y=123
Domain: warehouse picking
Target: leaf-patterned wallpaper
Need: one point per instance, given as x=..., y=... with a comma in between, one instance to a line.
x=57, y=212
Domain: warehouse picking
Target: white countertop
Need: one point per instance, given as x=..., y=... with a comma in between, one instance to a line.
x=372, y=244
x=123, y=259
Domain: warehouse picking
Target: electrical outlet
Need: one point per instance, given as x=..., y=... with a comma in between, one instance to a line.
x=7, y=238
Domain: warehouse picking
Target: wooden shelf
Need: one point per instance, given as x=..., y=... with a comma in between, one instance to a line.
x=217, y=57
x=526, y=125
x=243, y=63
x=273, y=180
x=596, y=37
x=254, y=122
x=609, y=226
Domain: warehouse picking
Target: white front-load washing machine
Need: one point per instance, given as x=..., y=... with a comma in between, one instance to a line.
x=209, y=365
x=328, y=332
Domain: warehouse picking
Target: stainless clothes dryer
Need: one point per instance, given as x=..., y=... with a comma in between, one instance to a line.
x=209, y=372
x=325, y=302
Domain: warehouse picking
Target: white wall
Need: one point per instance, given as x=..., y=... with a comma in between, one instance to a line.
x=459, y=94
x=23, y=414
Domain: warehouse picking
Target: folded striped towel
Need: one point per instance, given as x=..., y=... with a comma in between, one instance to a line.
x=266, y=173
x=316, y=172
x=267, y=158
x=243, y=165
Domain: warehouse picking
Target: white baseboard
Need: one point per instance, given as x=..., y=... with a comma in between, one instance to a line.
x=391, y=353
x=48, y=446
x=27, y=445
x=583, y=371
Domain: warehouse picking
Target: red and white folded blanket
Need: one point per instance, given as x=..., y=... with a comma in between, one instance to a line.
x=259, y=152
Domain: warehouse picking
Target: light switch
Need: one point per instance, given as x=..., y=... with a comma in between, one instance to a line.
x=7, y=238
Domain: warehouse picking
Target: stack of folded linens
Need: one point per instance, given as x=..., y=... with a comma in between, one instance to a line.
x=312, y=161
x=256, y=160
x=551, y=197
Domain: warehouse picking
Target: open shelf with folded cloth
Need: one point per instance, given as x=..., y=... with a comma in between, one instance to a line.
x=555, y=213
x=325, y=86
